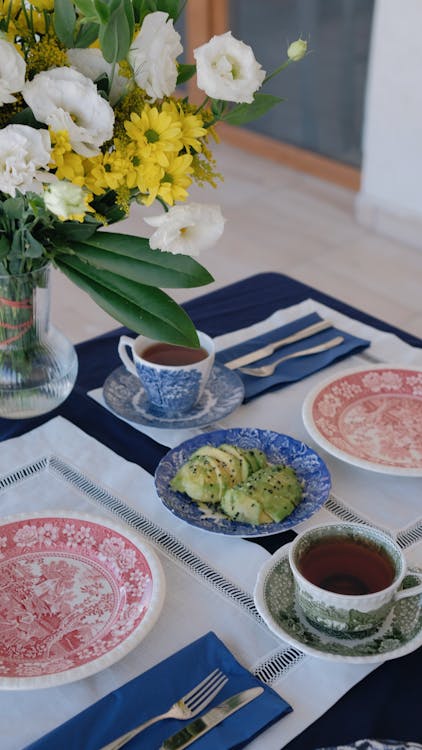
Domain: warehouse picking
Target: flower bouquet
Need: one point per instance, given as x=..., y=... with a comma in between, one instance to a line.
x=91, y=120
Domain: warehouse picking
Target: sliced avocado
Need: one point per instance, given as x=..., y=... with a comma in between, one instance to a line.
x=230, y=463
x=274, y=488
x=256, y=458
x=238, y=453
x=201, y=478
x=241, y=507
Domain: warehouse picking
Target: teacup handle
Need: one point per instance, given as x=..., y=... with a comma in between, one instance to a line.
x=412, y=590
x=124, y=342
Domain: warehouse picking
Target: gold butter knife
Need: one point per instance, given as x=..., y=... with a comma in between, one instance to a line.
x=265, y=351
x=200, y=726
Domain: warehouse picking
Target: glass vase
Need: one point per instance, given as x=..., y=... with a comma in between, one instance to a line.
x=38, y=364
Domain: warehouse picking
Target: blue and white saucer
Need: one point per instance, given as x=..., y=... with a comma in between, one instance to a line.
x=125, y=396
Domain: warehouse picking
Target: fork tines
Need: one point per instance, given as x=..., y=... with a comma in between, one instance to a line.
x=206, y=690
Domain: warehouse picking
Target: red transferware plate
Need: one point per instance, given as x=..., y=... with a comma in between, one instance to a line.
x=77, y=594
x=370, y=417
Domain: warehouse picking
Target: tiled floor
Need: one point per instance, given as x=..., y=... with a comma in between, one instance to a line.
x=280, y=220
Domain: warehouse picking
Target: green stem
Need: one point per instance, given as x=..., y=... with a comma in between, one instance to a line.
x=201, y=106
x=277, y=71
x=213, y=121
x=163, y=203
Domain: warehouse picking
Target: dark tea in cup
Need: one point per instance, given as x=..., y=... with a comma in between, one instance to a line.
x=348, y=577
x=347, y=566
x=171, y=355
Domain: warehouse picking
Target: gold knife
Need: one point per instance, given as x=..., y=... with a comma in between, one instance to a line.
x=265, y=351
x=200, y=726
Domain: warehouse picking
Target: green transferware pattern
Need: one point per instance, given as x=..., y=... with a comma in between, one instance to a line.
x=360, y=623
x=403, y=625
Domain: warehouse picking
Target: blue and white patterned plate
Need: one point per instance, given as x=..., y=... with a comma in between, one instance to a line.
x=376, y=745
x=125, y=396
x=278, y=448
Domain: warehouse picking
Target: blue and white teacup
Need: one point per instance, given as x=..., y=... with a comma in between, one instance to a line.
x=348, y=577
x=171, y=389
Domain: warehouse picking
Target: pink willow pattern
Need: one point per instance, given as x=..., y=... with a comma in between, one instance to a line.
x=374, y=415
x=71, y=590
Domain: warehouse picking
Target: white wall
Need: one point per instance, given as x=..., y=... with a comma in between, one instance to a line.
x=390, y=199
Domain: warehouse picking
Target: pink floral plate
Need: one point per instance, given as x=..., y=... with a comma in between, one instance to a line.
x=76, y=595
x=370, y=417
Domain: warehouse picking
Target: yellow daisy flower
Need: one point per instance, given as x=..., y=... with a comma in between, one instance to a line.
x=176, y=179
x=149, y=176
x=156, y=134
x=191, y=125
x=69, y=165
x=95, y=175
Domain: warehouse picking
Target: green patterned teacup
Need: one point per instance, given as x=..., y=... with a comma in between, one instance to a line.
x=347, y=577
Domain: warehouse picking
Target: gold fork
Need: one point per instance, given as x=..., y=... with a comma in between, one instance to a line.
x=185, y=708
x=266, y=370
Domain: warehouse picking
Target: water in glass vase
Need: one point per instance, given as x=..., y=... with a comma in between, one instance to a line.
x=38, y=364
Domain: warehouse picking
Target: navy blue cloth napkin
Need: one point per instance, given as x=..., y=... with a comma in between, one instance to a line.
x=154, y=691
x=293, y=369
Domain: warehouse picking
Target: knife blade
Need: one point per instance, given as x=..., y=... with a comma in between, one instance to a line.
x=204, y=723
x=265, y=351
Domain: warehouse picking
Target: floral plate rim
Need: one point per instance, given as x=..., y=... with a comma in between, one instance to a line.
x=132, y=640
x=276, y=445
x=383, y=639
x=343, y=455
x=225, y=403
x=373, y=744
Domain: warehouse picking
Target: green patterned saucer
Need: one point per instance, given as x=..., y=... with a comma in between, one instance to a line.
x=275, y=601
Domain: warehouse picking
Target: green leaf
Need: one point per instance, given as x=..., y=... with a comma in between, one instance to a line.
x=185, y=72
x=143, y=309
x=4, y=247
x=87, y=34
x=13, y=207
x=87, y=8
x=69, y=231
x=34, y=249
x=115, y=37
x=133, y=258
x=103, y=11
x=64, y=19
x=130, y=16
x=243, y=113
x=169, y=6
x=217, y=107
x=26, y=117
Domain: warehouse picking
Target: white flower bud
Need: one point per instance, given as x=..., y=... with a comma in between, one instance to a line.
x=297, y=50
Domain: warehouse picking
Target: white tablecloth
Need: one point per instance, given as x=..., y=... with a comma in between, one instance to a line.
x=210, y=578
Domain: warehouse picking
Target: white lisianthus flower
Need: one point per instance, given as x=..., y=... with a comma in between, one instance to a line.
x=65, y=99
x=153, y=55
x=66, y=200
x=226, y=69
x=91, y=63
x=187, y=229
x=23, y=152
x=12, y=72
